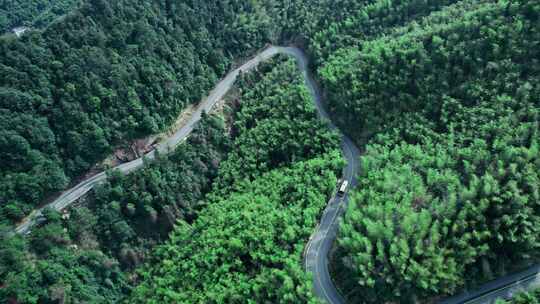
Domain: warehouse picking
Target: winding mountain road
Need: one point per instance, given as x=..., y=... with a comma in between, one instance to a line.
x=320, y=243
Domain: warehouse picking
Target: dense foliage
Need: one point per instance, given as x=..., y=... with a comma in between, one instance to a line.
x=444, y=93
x=108, y=73
x=282, y=191
x=35, y=13
x=450, y=186
x=48, y=267
x=246, y=246
x=88, y=256
x=135, y=212
x=275, y=124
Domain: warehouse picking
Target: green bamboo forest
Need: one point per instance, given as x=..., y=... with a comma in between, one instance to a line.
x=442, y=97
x=33, y=13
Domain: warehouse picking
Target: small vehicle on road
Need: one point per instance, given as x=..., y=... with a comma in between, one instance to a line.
x=343, y=188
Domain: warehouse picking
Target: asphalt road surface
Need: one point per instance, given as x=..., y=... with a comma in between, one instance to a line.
x=320, y=243
x=502, y=288
x=316, y=252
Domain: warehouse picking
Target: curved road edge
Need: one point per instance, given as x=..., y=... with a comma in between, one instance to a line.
x=502, y=288
x=320, y=243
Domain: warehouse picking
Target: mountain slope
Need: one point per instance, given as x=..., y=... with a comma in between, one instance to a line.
x=107, y=74
x=449, y=189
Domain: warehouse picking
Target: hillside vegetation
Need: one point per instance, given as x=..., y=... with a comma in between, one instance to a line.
x=271, y=192
x=108, y=73
x=91, y=255
x=449, y=187
x=442, y=94
x=247, y=244
x=111, y=72
x=34, y=13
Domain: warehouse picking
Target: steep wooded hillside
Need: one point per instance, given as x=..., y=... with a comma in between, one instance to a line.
x=34, y=13
x=89, y=253
x=247, y=244
x=108, y=73
x=450, y=187
x=443, y=95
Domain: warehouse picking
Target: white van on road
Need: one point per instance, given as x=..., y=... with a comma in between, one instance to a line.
x=343, y=188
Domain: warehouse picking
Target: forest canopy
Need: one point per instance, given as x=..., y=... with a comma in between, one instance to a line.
x=108, y=73
x=247, y=243
x=89, y=253
x=441, y=94
x=33, y=13
x=449, y=187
